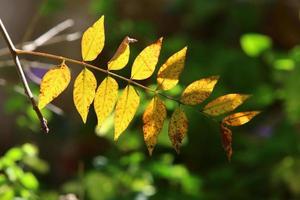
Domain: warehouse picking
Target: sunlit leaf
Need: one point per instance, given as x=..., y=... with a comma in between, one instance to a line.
x=144, y=64
x=121, y=57
x=125, y=109
x=286, y=64
x=224, y=104
x=105, y=99
x=169, y=72
x=254, y=44
x=54, y=82
x=153, y=119
x=84, y=92
x=93, y=40
x=199, y=90
x=178, y=127
x=226, y=135
x=241, y=118
x=28, y=180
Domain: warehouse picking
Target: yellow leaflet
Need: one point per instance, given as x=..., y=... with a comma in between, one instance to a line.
x=226, y=135
x=54, y=82
x=84, y=92
x=121, y=57
x=178, y=128
x=240, y=118
x=93, y=40
x=144, y=64
x=199, y=90
x=168, y=74
x=153, y=119
x=224, y=104
x=125, y=109
x=105, y=99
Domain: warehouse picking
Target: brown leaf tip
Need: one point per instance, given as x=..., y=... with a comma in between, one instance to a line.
x=159, y=41
x=131, y=40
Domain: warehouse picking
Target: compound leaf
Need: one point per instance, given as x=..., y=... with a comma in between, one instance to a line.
x=54, y=82
x=121, y=57
x=84, y=92
x=105, y=99
x=241, y=118
x=153, y=119
x=93, y=40
x=178, y=128
x=224, y=104
x=144, y=64
x=125, y=110
x=198, y=91
x=169, y=72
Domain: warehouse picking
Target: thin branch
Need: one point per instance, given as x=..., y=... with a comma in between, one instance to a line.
x=47, y=38
x=27, y=90
x=49, y=35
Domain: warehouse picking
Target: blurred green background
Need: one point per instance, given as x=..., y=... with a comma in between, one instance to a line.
x=251, y=44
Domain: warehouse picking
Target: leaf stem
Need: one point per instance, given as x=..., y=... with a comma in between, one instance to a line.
x=106, y=71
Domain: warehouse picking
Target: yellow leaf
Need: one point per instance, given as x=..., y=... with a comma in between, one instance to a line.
x=144, y=64
x=54, y=82
x=84, y=92
x=125, y=110
x=168, y=74
x=178, y=128
x=199, y=90
x=226, y=135
x=153, y=119
x=93, y=40
x=224, y=104
x=121, y=57
x=105, y=99
x=240, y=118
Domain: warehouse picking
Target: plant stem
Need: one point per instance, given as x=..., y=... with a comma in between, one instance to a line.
x=26, y=87
x=84, y=64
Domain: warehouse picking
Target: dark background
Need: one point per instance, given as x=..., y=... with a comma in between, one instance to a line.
x=88, y=163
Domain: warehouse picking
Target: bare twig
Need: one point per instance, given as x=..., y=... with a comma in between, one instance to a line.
x=27, y=90
x=49, y=37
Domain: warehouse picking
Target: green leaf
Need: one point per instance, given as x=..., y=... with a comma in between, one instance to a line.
x=284, y=64
x=29, y=181
x=254, y=44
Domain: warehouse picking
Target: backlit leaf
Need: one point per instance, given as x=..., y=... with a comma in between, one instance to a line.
x=84, y=92
x=144, y=64
x=238, y=119
x=199, y=90
x=54, y=82
x=153, y=119
x=178, y=128
x=105, y=99
x=168, y=74
x=224, y=104
x=125, y=109
x=93, y=40
x=121, y=57
x=226, y=135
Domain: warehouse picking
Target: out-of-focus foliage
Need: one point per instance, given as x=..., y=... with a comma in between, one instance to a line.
x=135, y=177
x=16, y=178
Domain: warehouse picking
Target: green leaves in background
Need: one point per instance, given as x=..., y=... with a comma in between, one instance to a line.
x=254, y=44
